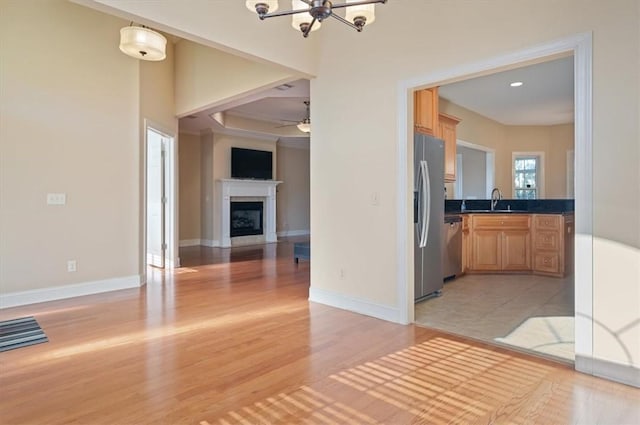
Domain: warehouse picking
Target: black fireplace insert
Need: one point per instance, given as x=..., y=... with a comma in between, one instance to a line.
x=246, y=218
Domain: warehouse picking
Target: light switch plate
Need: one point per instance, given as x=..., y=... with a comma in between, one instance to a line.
x=56, y=198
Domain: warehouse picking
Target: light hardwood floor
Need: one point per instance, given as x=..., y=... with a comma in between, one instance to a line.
x=237, y=342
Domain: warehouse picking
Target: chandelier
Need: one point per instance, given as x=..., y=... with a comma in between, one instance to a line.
x=142, y=43
x=307, y=15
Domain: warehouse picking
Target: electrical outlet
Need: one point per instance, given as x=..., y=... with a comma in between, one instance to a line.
x=375, y=198
x=342, y=273
x=56, y=198
x=72, y=266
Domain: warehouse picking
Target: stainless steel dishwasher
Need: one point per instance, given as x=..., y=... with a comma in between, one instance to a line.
x=451, y=246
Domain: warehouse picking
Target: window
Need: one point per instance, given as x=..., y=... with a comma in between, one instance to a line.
x=527, y=176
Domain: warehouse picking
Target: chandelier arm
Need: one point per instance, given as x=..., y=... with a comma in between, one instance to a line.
x=283, y=13
x=307, y=30
x=344, y=21
x=355, y=3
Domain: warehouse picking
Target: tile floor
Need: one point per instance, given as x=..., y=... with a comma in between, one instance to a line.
x=533, y=313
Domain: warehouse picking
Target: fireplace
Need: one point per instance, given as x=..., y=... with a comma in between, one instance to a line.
x=248, y=191
x=246, y=218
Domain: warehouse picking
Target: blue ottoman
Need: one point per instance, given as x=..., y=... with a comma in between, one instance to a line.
x=301, y=250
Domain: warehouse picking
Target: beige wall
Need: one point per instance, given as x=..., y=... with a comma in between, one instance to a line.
x=157, y=110
x=206, y=77
x=361, y=238
x=225, y=24
x=157, y=95
x=553, y=141
x=355, y=117
x=189, y=189
x=203, y=162
x=207, y=188
x=293, y=193
x=69, y=122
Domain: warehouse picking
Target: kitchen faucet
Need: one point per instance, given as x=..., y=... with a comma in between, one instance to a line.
x=495, y=197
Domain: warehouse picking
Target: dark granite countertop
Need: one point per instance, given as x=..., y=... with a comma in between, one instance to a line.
x=511, y=206
x=507, y=212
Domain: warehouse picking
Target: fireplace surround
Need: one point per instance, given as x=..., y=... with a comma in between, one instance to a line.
x=245, y=191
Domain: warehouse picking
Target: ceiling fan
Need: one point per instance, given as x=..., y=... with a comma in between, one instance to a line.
x=305, y=124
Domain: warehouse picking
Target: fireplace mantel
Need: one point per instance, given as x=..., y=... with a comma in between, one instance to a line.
x=237, y=188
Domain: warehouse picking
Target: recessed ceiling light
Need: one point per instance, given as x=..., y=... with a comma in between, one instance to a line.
x=516, y=84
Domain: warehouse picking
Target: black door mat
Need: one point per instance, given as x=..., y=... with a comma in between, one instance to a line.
x=21, y=332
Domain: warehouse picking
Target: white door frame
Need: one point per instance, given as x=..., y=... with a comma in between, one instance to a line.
x=152, y=258
x=581, y=46
x=171, y=211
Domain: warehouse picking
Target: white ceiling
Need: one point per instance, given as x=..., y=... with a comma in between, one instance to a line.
x=273, y=105
x=545, y=98
x=274, y=109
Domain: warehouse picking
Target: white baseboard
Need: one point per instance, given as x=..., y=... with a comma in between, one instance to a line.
x=172, y=264
x=197, y=242
x=213, y=243
x=286, y=233
x=189, y=242
x=14, y=299
x=334, y=299
x=624, y=374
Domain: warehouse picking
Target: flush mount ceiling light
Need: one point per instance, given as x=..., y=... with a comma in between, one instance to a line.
x=305, y=124
x=307, y=15
x=142, y=43
x=516, y=84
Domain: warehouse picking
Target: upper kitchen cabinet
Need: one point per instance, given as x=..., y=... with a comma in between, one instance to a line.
x=447, y=132
x=426, y=111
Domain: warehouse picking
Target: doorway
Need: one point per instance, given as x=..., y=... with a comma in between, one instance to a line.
x=581, y=47
x=160, y=199
x=479, y=178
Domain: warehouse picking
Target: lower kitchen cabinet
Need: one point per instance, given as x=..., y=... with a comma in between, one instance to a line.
x=552, y=244
x=500, y=242
x=516, y=250
x=538, y=243
x=486, y=250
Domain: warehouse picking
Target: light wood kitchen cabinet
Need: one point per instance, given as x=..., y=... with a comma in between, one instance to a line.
x=538, y=243
x=426, y=111
x=516, y=250
x=500, y=242
x=552, y=244
x=447, y=132
x=487, y=250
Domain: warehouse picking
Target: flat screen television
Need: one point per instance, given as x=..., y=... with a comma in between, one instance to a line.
x=251, y=164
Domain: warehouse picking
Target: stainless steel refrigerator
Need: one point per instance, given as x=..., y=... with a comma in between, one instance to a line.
x=428, y=214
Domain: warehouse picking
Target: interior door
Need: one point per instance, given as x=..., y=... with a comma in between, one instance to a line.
x=156, y=199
